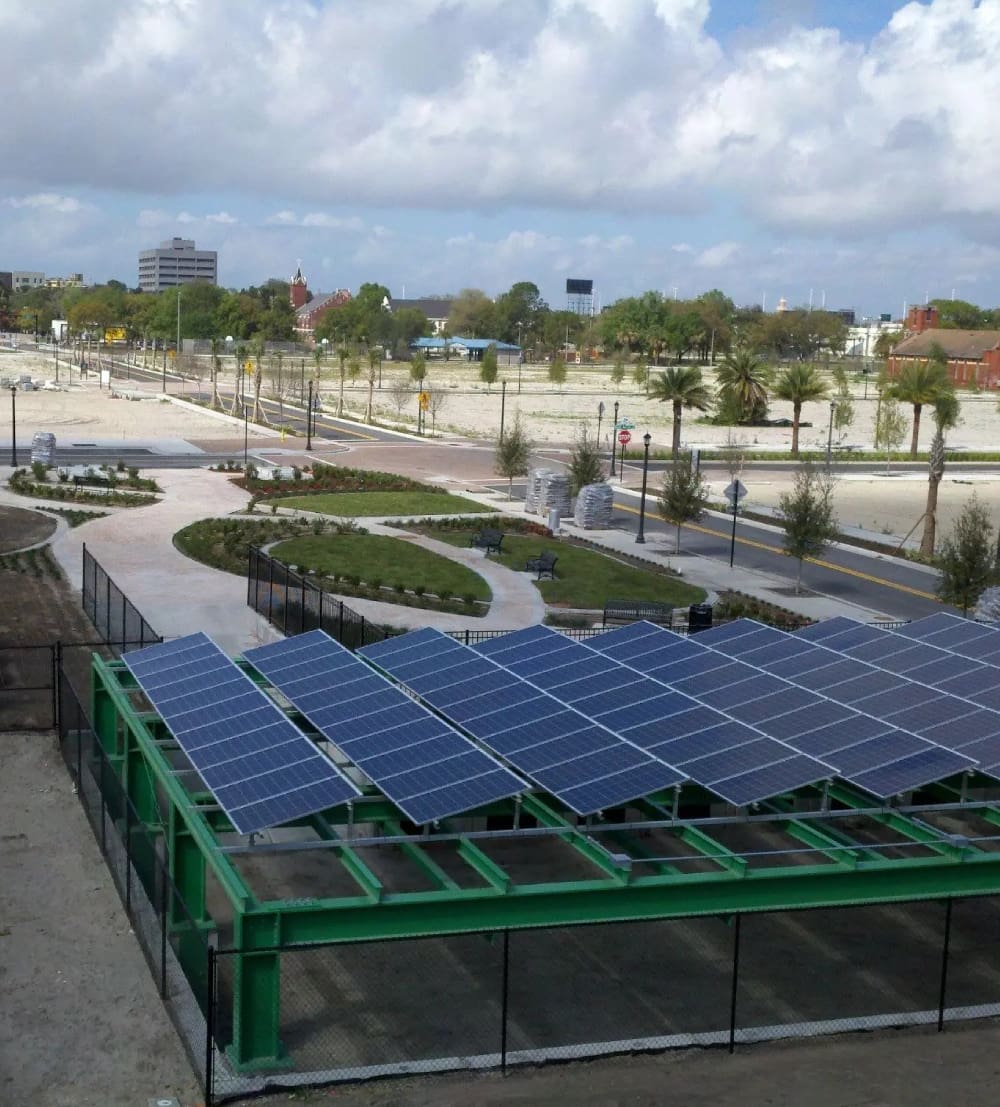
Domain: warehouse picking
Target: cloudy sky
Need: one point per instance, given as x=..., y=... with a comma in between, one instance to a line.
x=765, y=147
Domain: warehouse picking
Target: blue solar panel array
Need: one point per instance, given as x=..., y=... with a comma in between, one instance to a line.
x=873, y=754
x=567, y=754
x=919, y=702
x=737, y=762
x=260, y=767
x=424, y=766
x=950, y=694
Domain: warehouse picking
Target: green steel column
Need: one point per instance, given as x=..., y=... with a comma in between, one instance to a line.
x=188, y=920
x=256, y=1040
x=104, y=716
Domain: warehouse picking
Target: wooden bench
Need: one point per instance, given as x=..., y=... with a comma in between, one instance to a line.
x=94, y=484
x=544, y=565
x=632, y=611
x=487, y=539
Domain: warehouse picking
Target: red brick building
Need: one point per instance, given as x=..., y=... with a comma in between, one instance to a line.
x=309, y=312
x=973, y=356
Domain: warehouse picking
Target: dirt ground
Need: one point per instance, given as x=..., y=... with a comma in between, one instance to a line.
x=20, y=528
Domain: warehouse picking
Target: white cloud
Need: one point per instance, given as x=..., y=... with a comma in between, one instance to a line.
x=48, y=201
x=722, y=253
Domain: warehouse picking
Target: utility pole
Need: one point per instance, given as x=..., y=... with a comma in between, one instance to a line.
x=503, y=406
x=309, y=409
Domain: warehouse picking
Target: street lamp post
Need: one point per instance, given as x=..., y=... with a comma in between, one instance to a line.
x=13, y=425
x=246, y=416
x=614, y=441
x=641, y=536
x=829, y=436
x=520, y=357
x=309, y=414
x=503, y=406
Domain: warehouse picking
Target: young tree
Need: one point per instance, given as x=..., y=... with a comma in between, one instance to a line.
x=843, y=403
x=683, y=387
x=513, y=454
x=808, y=517
x=799, y=384
x=917, y=384
x=437, y=403
x=557, y=370
x=586, y=465
x=618, y=373
x=371, y=376
x=946, y=409
x=743, y=381
x=966, y=558
x=418, y=368
x=399, y=395
x=342, y=355
x=239, y=382
x=258, y=414
x=683, y=496
x=216, y=402
x=640, y=374
x=890, y=428
x=488, y=366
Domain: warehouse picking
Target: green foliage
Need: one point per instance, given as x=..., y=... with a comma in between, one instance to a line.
x=334, y=478
x=808, y=516
x=890, y=426
x=586, y=465
x=513, y=453
x=224, y=543
x=682, y=387
x=966, y=558
x=488, y=370
x=683, y=495
x=738, y=605
x=473, y=315
x=618, y=372
x=418, y=367
x=799, y=384
x=919, y=383
x=743, y=380
x=557, y=370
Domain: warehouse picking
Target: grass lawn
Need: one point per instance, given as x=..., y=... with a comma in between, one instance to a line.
x=356, y=504
x=375, y=557
x=585, y=578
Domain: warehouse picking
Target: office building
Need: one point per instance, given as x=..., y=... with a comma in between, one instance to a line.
x=175, y=262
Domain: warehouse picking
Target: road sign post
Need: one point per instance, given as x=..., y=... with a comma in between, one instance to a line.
x=734, y=492
x=624, y=437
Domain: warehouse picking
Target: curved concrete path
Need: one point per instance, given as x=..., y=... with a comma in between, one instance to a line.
x=178, y=596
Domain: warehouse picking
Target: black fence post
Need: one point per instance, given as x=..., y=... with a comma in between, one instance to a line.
x=736, y=980
x=125, y=606
x=944, y=964
x=270, y=588
x=504, y=1002
x=56, y=664
x=107, y=609
x=163, y=928
x=340, y=623
x=210, y=1027
x=302, y=613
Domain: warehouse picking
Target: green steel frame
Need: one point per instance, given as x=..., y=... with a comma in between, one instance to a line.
x=629, y=886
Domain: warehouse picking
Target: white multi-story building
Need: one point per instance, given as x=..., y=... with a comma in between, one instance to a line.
x=175, y=262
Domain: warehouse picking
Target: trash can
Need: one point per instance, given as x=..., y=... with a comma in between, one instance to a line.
x=554, y=519
x=699, y=617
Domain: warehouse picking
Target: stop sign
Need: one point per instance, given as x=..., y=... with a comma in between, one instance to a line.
x=624, y=437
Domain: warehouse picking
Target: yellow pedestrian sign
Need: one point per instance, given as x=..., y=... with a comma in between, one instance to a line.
x=425, y=401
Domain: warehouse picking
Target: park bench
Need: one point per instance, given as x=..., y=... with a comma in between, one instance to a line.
x=544, y=565
x=487, y=539
x=632, y=611
x=93, y=484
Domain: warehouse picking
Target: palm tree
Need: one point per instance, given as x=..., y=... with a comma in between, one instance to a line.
x=683, y=387
x=743, y=380
x=918, y=383
x=216, y=402
x=799, y=384
x=946, y=409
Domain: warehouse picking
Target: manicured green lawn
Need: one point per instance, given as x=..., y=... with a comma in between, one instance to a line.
x=585, y=578
x=375, y=557
x=356, y=504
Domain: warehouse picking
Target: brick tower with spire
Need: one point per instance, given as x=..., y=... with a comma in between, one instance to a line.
x=298, y=293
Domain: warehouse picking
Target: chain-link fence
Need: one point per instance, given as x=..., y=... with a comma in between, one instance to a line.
x=491, y=1000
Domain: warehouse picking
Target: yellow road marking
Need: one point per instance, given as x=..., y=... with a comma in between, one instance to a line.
x=810, y=560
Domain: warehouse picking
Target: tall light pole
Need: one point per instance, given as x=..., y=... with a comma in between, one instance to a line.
x=614, y=440
x=246, y=415
x=309, y=415
x=520, y=357
x=13, y=425
x=641, y=536
x=177, y=353
x=503, y=406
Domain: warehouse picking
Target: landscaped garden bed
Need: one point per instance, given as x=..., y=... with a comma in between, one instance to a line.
x=112, y=487
x=359, y=504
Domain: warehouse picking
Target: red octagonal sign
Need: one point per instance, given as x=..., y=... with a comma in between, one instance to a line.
x=624, y=437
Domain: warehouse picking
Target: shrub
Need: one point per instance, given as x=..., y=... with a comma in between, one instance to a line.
x=121, y=466
x=469, y=599
x=376, y=583
x=399, y=587
x=38, y=470
x=419, y=590
x=445, y=595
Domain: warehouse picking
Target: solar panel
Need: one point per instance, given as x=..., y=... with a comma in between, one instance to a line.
x=581, y=763
x=425, y=767
x=259, y=766
x=846, y=731
x=723, y=755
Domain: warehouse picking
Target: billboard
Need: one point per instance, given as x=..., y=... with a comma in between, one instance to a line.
x=576, y=287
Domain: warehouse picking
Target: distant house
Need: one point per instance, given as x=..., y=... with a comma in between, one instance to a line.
x=973, y=356
x=472, y=349
x=436, y=310
x=309, y=312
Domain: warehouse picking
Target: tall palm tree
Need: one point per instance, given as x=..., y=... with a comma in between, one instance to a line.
x=216, y=402
x=918, y=383
x=683, y=387
x=743, y=380
x=799, y=384
x=946, y=409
